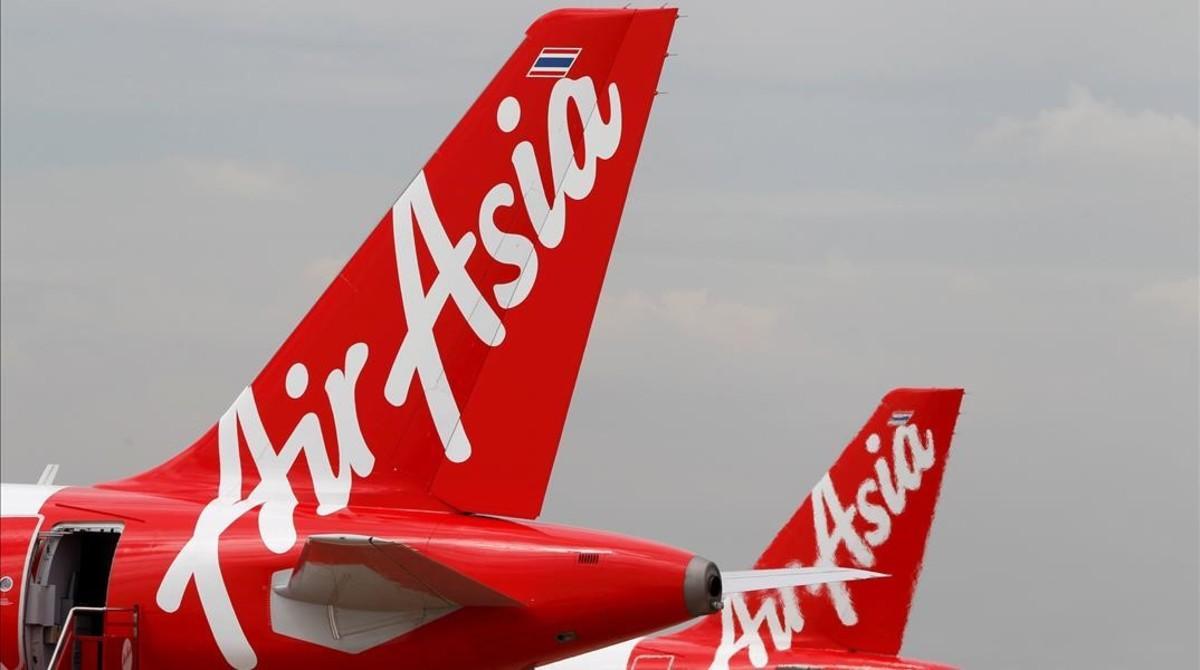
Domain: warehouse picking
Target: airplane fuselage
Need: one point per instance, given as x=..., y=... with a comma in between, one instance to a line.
x=204, y=604
x=696, y=648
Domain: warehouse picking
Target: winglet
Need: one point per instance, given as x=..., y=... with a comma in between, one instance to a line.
x=48, y=475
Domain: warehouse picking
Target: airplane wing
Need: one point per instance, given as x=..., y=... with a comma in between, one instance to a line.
x=370, y=573
x=745, y=581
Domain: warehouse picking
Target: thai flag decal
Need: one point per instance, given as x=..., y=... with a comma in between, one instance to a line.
x=900, y=418
x=554, y=62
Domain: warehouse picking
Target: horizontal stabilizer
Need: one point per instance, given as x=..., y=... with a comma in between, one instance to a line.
x=745, y=581
x=369, y=573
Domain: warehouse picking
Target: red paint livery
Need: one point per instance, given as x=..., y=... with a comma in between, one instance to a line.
x=536, y=565
x=874, y=508
x=512, y=396
x=339, y=513
x=427, y=387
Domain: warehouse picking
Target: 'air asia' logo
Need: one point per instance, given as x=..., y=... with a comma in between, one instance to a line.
x=418, y=357
x=833, y=525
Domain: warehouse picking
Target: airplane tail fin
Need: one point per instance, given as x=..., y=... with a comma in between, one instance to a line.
x=873, y=509
x=437, y=368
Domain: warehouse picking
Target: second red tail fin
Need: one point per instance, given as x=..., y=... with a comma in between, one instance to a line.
x=873, y=510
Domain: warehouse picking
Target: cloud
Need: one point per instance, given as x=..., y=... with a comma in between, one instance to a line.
x=1086, y=129
x=1093, y=183
x=241, y=179
x=691, y=314
x=323, y=270
x=1178, y=298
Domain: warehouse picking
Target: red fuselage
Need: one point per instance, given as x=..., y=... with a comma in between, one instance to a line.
x=685, y=652
x=578, y=589
x=710, y=644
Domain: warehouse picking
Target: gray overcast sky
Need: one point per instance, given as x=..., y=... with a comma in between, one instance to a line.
x=835, y=198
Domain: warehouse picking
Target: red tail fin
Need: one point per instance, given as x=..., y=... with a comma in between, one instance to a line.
x=873, y=509
x=439, y=364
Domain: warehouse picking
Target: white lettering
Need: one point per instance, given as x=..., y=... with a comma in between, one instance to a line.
x=508, y=248
x=418, y=356
x=600, y=140
x=826, y=504
x=199, y=560
x=833, y=526
x=782, y=618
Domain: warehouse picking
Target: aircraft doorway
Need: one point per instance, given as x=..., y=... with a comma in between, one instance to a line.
x=67, y=594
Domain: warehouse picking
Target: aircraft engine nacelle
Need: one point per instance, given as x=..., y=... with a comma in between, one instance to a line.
x=591, y=588
x=702, y=589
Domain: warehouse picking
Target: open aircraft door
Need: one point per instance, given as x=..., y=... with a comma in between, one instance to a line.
x=55, y=597
x=17, y=536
